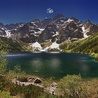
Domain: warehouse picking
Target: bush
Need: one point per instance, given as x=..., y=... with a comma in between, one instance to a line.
x=30, y=91
x=70, y=87
x=3, y=65
x=4, y=94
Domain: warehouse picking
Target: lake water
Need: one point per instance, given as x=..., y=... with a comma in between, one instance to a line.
x=56, y=65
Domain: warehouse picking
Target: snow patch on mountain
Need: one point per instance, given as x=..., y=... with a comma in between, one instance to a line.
x=34, y=24
x=85, y=31
x=36, y=46
x=36, y=33
x=54, y=46
x=41, y=29
x=69, y=20
x=57, y=33
x=3, y=28
x=21, y=25
x=8, y=33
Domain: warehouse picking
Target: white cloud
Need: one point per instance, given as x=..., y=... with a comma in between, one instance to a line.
x=49, y=10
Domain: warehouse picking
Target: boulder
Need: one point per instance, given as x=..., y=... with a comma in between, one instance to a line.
x=37, y=80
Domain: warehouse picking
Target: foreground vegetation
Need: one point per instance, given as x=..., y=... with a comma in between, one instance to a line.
x=86, y=46
x=71, y=86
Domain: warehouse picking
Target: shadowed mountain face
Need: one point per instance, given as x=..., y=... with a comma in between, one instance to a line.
x=2, y=32
x=59, y=29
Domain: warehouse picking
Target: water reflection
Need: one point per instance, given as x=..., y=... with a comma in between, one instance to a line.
x=36, y=62
x=85, y=68
x=55, y=65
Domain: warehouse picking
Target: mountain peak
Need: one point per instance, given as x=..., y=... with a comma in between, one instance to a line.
x=36, y=20
x=57, y=16
x=74, y=18
x=59, y=28
x=88, y=21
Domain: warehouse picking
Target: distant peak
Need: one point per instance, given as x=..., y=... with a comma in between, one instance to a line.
x=88, y=21
x=75, y=19
x=36, y=20
x=58, y=16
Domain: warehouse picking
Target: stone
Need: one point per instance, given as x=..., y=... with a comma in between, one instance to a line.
x=37, y=80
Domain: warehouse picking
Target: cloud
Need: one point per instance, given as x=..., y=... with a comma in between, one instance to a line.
x=49, y=10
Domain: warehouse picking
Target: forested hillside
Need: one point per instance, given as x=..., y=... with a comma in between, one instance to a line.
x=86, y=46
x=10, y=45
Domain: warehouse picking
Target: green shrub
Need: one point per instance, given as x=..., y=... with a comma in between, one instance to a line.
x=4, y=94
x=30, y=91
x=70, y=87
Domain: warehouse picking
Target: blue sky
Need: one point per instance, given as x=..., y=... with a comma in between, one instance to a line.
x=12, y=11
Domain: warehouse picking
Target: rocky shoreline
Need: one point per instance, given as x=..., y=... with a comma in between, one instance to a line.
x=36, y=82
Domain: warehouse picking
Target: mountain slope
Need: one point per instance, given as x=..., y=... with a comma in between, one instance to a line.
x=9, y=45
x=86, y=46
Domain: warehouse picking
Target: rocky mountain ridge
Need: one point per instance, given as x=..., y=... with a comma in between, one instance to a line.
x=57, y=29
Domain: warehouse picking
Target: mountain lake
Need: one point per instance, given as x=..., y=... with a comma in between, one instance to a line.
x=55, y=65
